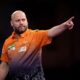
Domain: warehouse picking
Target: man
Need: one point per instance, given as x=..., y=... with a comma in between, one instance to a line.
x=21, y=53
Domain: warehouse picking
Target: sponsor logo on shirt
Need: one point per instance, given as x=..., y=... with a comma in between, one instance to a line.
x=11, y=47
x=22, y=49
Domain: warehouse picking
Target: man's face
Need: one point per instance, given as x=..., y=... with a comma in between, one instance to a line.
x=19, y=22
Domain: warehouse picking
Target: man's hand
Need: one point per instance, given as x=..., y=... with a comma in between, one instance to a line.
x=69, y=23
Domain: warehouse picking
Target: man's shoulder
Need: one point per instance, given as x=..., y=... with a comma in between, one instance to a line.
x=35, y=30
x=8, y=39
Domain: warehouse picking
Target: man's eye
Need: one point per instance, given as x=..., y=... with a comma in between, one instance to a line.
x=17, y=20
x=23, y=19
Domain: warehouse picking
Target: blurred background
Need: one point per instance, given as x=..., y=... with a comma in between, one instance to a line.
x=61, y=59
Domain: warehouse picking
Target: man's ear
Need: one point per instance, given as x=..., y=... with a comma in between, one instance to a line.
x=11, y=23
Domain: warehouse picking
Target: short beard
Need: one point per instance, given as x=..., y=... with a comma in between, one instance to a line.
x=20, y=32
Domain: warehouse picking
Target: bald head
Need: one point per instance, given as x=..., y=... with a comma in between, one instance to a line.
x=16, y=13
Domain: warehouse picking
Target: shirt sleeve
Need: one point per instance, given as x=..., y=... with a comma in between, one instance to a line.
x=43, y=37
x=4, y=55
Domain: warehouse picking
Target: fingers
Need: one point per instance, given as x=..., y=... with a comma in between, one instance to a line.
x=71, y=18
x=70, y=23
x=70, y=28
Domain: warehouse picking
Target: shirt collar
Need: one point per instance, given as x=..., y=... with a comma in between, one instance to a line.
x=14, y=35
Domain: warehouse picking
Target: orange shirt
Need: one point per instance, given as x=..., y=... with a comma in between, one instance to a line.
x=25, y=49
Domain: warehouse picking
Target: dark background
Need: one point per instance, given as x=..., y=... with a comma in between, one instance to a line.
x=61, y=59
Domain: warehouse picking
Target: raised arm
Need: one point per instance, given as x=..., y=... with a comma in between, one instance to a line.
x=56, y=30
x=4, y=68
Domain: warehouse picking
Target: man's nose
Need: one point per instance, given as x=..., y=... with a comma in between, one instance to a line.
x=21, y=22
